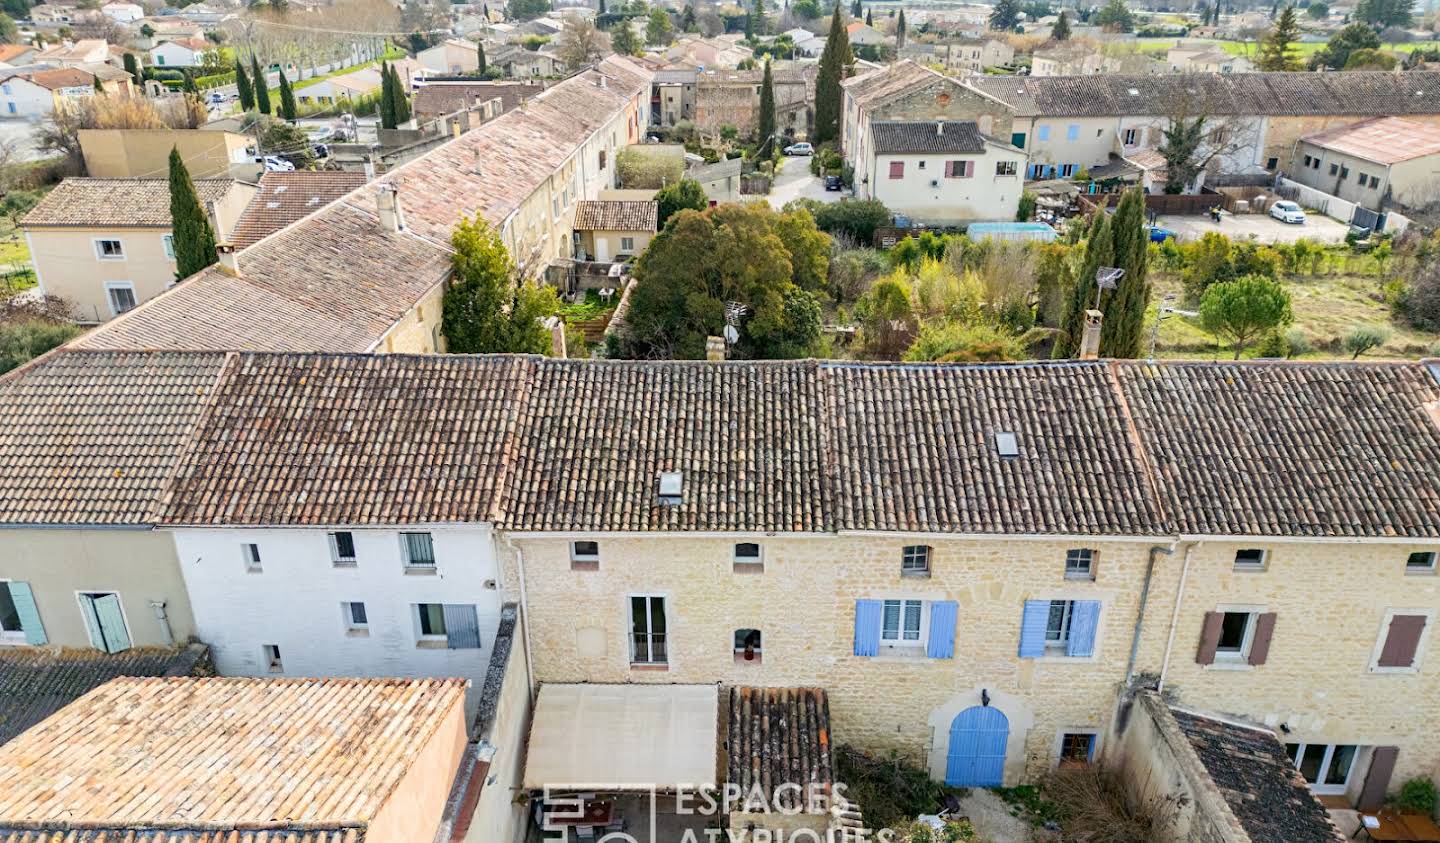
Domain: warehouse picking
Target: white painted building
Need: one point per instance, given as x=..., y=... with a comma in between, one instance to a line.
x=188, y=52
x=359, y=602
x=123, y=12
x=941, y=172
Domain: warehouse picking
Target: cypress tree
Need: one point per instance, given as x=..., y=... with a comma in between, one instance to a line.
x=387, y=98
x=760, y=22
x=1061, y=30
x=287, y=99
x=242, y=86
x=1125, y=306
x=189, y=86
x=1098, y=253
x=132, y=67
x=767, y=107
x=262, y=88
x=1277, y=51
x=99, y=88
x=402, y=102
x=194, y=240
x=900, y=31
x=480, y=57
x=835, y=62
x=869, y=17
x=855, y=9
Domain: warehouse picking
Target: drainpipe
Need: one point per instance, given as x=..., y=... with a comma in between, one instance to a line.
x=1175, y=616
x=1140, y=612
x=165, y=632
x=524, y=614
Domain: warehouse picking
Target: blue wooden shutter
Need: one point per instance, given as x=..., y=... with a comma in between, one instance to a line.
x=1084, y=617
x=29, y=614
x=462, y=631
x=112, y=623
x=867, y=627
x=1032, y=628
x=941, y=643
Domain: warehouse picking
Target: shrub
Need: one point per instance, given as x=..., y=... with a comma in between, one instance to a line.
x=26, y=339
x=1417, y=796
x=1026, y=210
x=858, y=220
x=1362, y=338
x=641, y=170
x=891, y=790
x=956, y=342
x=1275, y=343
x=852, y=271
x=1094, y=806
x=1297, y=343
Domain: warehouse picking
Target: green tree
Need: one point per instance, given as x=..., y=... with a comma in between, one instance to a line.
x=193, y=238
x=9, y=32
x=1318, y=11
x=1244, y=309
x=262, y=88
x=658, y=29
x=767, y=109
x=1278, y=50
x=482, y=65
x=386, y=108
x=677, y=196
x=187, y=82
x=287, y=99
x=1362, y=338
x=523, y=10
x=25, y=339
x=1125, y=306
x=886, y=317
x=856, y=8
x=1336, y=52
x=856, y=219
x=1366, y=58
x=1383, y=13
x=98, y=85
x=1005, y=15
x=1114, y=16
x=624, y=41
x=402, y=100
x=485, y=309
x=835, y=62
x=1061, y=30
x=1099, y=251
x=1180, y=147
x=759, y=24
x=958, y=342
x=242, y=86
x=288, y=141
x=900, y=31
x=132, y=67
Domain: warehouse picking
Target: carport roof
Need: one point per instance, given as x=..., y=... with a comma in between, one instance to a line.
x=623, y=737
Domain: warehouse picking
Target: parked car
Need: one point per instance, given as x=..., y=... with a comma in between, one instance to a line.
x=321, y=150
x=801, y=148
x=319, y=133
x=1287, y=211
x=216, y=98
x=275, y=164
x=833, y=183
x=1160, y=235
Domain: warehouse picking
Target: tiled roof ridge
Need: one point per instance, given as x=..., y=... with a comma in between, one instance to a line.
x=167, y=488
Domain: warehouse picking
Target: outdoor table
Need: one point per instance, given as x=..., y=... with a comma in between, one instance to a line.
x=1413, y=827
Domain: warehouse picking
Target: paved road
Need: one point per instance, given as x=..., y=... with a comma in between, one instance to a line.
x=1261, y=227
x=795, y=182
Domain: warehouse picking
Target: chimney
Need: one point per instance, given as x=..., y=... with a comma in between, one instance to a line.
x=455, y=127
x=1090, y=338
x=479, y=159
x=229, y=259
x=714, y=348
x=387, y=202
x=939, y=128
x=369, y=169
x=557, y=336
x=212, y=212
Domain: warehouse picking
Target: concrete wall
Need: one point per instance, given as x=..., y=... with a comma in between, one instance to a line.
x=1309, y=197
x=414, y=809
x=804, y=605
x=498, y=818
x=295, y=602
x=140, y=565
x=605, y=245
x=145, y=153
x=926, y=194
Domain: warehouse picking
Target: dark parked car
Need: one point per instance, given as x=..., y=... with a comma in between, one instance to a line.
x=833, y=183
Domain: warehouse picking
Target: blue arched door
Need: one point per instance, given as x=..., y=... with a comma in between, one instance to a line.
x=977, y=748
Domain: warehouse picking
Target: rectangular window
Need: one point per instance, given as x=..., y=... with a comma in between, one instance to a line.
x=1399, y=644
x=1375, y=182
x=1057, y=624
x=584, y=556
x=168, y=242
x=648, y=630
x=1017, y=140
x=1077, y=748
x=105, y=621
x=900, y=623
x=1004, y=168
x=1422, y=562
x=342, y=548
x=1042, y=133
x=1080, y=564
x=1272, y=163
x=1308, y=159
x=748, y=645
x=1132, y=137
x=1344, y=172
x=1334, y=169
x=10, y=628
x=1072, y=132
x=1237, y=629
x=897, y=169
x=1067, y=170
x=1250, y=559
x=1363, y=179
x=419, y=550
x=431, y=617
x=109, y=250
x=748, y=558
x=959, y=169
x=1326, y=767
x=357, y=622
x=915, y=560
x=270, y=653
x=602, y=159
x=922, y=165
x=250, y=554
x=121, y=295
x=627, y=245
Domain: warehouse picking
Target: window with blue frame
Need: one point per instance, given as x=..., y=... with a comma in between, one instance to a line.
x=1072, y=132
x=1064, y=628
x=904, y=627
x=1067, y=170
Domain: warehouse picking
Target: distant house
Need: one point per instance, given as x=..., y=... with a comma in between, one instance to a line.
x=1206, y=59
x=181, y=52
x=864, y=36
x=434, y=99
x=283, y=198
x=613, y=230
x=35, y=92
x=452, y=55
x=976, y=55
x=122, y=12
x=520, y=63
x=1373, y=162
x=1066, y=59
x=69, y=54
x=17, y=55
x=721, y=180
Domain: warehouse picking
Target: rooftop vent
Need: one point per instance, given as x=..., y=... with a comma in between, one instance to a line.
x=1006, y=446
x=672, y=488
x=1134, y=92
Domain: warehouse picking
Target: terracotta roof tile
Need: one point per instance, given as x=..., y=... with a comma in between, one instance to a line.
x=218, y=757
x=436, y=98
x=284, y=198
x=137, y=203
x=780, y=736
x=893, y=137
x=615, y=215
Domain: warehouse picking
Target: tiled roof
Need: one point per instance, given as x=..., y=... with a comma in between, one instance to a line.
x=352, y=439
x=284, y=198
x=885, y=84
x=1384, y=140
x=132, y=203
x=36, y=682
x=90, y=438
x=233, y=755
x=335, y=281
x=1258, y=781
x=1276, y=94
x=115, y=834
x=436, y=98
x=780, y=736
x=937, y=136
x=1275, y=449
x=61, y=77
x=615, y=215
x=915, y=450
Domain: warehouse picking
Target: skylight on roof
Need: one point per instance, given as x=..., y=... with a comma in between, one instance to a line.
x=672, y=488
x=1006, y=445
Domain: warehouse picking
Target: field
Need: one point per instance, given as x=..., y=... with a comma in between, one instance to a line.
x=1248, y=48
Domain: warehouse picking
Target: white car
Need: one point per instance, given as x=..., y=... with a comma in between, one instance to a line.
x=276, y=164
x=1287, y=211
x=799, y=149
x=319, y=134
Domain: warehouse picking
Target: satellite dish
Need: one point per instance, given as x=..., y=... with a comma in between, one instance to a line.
x=732, y=336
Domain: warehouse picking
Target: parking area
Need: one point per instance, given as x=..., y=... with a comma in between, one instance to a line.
x=796, y=182
x=1258, y=227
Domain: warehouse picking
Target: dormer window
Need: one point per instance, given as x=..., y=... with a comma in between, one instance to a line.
x=672, y=488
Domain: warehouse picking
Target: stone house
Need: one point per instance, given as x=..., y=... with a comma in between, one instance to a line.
x=732, y=98
x=976, y=55
x=613, y=230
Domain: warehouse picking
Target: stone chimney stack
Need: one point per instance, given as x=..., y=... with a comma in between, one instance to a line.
x=1090, y=337
x=940, y=128
x=369, y=169
x=392, y=213
x=557, y=337
x=229, y=259
x=714, y=348
x=212, y=212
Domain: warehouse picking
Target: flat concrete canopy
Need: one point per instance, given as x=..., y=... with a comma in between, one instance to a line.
x=623, y=737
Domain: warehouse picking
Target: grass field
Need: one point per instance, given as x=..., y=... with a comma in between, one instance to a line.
x=1158, y=46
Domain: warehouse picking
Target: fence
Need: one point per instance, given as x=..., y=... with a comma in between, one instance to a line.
x=1187, y=205
x=1309, y=197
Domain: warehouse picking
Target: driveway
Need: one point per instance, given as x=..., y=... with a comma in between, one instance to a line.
x=1259, y=227
x=795, y=182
